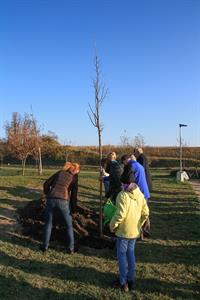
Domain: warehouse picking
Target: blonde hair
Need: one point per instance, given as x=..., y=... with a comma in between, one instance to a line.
x=67, y=165
x=73, y=168
x=112, y=156
x=140, y=150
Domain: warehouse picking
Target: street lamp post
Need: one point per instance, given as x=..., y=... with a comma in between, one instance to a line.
x=181, y=149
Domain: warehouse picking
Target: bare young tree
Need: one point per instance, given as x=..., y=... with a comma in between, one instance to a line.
x=100, y=91
x=124, y=140
x=139, y=141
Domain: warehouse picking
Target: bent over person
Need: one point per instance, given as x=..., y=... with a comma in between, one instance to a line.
x=131, y=214
x=59, y=189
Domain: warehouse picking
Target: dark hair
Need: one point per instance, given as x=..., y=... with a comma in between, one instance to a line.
x=124, y=157
x=128, y=175
x=104, y=162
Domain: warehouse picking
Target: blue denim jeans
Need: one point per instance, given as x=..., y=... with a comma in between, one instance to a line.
x=63, y=206
x=126, y=259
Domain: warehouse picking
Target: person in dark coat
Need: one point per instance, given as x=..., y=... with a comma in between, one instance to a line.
x=115, y=171
x=61, y=192
x=142, y=159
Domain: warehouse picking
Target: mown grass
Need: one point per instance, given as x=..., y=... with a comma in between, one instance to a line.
x=168, y=264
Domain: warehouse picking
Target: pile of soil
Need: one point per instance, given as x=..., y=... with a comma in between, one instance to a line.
x=85, y=224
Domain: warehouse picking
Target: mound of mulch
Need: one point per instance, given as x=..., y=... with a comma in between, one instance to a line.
x=85, y=224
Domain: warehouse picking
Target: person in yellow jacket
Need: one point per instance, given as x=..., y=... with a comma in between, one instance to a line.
x=131, y=214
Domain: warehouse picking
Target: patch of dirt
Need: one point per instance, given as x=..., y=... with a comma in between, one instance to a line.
x=8, y=220
x=85, y=223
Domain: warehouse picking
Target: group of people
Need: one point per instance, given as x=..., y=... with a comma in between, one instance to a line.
x=135, y=167
x=128, y=187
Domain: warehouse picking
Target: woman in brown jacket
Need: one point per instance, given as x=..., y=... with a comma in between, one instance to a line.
x=59, y=189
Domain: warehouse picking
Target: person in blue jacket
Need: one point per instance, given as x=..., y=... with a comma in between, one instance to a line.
x=131, y=165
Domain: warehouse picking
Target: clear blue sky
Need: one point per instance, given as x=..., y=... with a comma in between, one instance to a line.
x=150, y=62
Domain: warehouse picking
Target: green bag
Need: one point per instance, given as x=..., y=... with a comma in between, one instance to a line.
x=109, y=210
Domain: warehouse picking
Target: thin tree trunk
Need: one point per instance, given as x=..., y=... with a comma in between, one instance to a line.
x=100, y=189
x=1, y=161
x=23, y=166
x=94, y=115
x=36, y=164
x=40, y=161
x=66, y=155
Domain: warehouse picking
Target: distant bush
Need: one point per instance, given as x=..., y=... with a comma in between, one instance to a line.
x=159, y=157
x=193, y=173
x=173, y=163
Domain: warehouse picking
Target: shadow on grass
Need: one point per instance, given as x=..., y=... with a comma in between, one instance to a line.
x=87, y=195
x=19, y=240
x=85, y=276
x=12, y=289
x=183, y=227
x=10, y=172
x=88, y=188
x=87, y=192
x=21, y=191
x=177, y=208
x=78, y=274
x=182, y=191
x=14, y=203
x=147, y=252
x=171, y=289
x=189, y=198
x=163, y=176
x=89, y=275
x=175, y=219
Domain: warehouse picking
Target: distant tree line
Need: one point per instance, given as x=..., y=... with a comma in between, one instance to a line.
x=24, y=141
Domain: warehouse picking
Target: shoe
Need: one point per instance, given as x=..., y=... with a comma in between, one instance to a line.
x=43, y=249
x=71, y=252
x=131, y=285
x=124, y=288
x=116, y=285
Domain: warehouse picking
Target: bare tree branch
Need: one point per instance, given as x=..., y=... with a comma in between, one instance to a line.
x=100, y=92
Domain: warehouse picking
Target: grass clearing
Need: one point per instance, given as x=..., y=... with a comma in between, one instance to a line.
x=167, y=267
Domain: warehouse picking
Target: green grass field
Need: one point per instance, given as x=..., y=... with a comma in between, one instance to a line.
x=167, y=267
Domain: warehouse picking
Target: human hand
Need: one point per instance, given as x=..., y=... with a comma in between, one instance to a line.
x=146, y=226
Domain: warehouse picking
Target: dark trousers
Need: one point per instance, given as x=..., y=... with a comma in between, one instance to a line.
x=63, y=206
